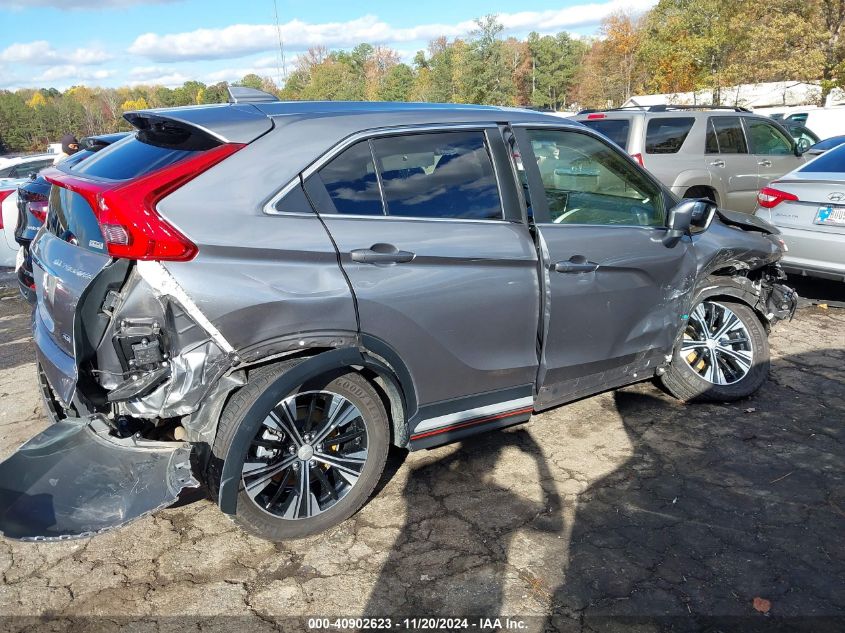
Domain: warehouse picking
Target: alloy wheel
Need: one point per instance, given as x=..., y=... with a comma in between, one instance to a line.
x=716, y=345
x=306, y=456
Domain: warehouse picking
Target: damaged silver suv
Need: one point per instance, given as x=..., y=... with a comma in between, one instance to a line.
x=265, y=296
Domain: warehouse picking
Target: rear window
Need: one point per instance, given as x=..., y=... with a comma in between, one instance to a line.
x=667, y=135
x=829, y=143
x=71, y=219
x=614, y=129
x=130, y=158
x=831, y=161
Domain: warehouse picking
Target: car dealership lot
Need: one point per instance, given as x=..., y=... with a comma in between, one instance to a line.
x=626, y=503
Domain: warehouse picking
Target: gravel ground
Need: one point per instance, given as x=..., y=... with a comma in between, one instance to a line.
x=624, y=505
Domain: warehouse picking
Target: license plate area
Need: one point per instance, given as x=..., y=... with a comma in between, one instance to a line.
x=830, y=215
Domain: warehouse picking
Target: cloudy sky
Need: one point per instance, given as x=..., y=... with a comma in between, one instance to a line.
x=60, y=43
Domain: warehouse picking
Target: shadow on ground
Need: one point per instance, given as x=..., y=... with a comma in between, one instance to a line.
x=719, y=504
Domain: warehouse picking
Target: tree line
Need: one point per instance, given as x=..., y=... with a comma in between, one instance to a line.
x=677, y=46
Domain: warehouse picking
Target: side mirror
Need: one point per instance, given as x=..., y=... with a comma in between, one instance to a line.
x=801, y=146
x=686, y=214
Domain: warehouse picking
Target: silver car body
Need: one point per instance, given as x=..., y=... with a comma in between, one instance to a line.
x=813, y=225
x=483, y=323
x=731, y=179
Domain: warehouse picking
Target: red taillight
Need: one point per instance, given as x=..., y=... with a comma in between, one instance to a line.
x=769, y=197
x=37, y=205
x=128, y=219
x=5, y=193
x=597, y=115
x=639, y=159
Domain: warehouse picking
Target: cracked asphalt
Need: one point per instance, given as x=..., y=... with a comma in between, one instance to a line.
x=623, y=505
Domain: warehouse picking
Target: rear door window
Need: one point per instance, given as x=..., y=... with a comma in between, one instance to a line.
x=667, y=135
x=438, y=175
x=615, y=129
x=725, y=136
x=351, y=182
x=426, y=175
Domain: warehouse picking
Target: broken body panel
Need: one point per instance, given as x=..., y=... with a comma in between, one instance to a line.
x=153, y=349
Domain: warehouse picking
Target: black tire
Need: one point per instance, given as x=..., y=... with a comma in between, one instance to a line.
x=348, y=384
x=685, y=384
x=701, y=191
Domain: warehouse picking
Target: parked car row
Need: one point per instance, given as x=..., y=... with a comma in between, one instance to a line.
x=265, y=296
x=26, y=210
x=725, y=154
x=808, y=206
x=745, y=162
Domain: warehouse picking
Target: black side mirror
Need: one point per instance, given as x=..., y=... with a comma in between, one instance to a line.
x=801, y=146
x=686, y=214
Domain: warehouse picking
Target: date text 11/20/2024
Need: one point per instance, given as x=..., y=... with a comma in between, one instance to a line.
x=417, y=624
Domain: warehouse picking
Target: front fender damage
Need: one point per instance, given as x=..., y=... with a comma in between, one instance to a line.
x=76, y=480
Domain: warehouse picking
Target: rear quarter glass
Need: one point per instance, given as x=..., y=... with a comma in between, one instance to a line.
x=666, y=135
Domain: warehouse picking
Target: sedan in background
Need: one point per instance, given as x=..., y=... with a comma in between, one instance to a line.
x=808, y=206
x=822, y=146
x=8, y=217
x=30, y=209
x=22, y=166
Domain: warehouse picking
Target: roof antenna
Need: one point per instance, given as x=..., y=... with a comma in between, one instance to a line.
x=283, y=71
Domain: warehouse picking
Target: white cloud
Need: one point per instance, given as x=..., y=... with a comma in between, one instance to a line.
x=170, y=80
x=57, y=73
x=77, y=4
x=243, y=39
x=42, y=53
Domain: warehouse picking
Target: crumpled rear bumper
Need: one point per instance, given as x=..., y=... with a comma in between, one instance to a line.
x=75, y=480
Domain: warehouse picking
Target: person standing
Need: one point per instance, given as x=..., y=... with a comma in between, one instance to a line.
x=70, y=145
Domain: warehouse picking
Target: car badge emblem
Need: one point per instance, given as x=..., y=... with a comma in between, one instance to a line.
x=836, y=196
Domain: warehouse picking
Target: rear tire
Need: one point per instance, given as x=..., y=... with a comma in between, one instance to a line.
x=689, y=378
x=700, y=191
x=268, y=509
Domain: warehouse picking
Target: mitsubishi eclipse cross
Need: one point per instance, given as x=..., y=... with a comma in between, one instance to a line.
x=263, y=297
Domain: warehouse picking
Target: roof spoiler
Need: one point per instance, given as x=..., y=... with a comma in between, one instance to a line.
x=224, y=123
x=242, y=94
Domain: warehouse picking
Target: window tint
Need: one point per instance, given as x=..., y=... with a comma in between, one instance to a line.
x=767, y=139
x=129, y=158
x=829, y=143
x=666, y=135
x=711, y=144
x=729, y=137
x=351, y=182
x=831, y=161
x=614, y=129
x=32, y=167
x=438, y=175
x=71, y=219
x=588, y=182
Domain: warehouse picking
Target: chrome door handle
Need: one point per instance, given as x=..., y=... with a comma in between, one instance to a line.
x=718, y=163
x=764, y=163
x=381, y=254
x=575, y=264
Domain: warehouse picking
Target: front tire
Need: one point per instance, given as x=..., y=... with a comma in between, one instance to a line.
x=315, y=458
x=722, y=356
